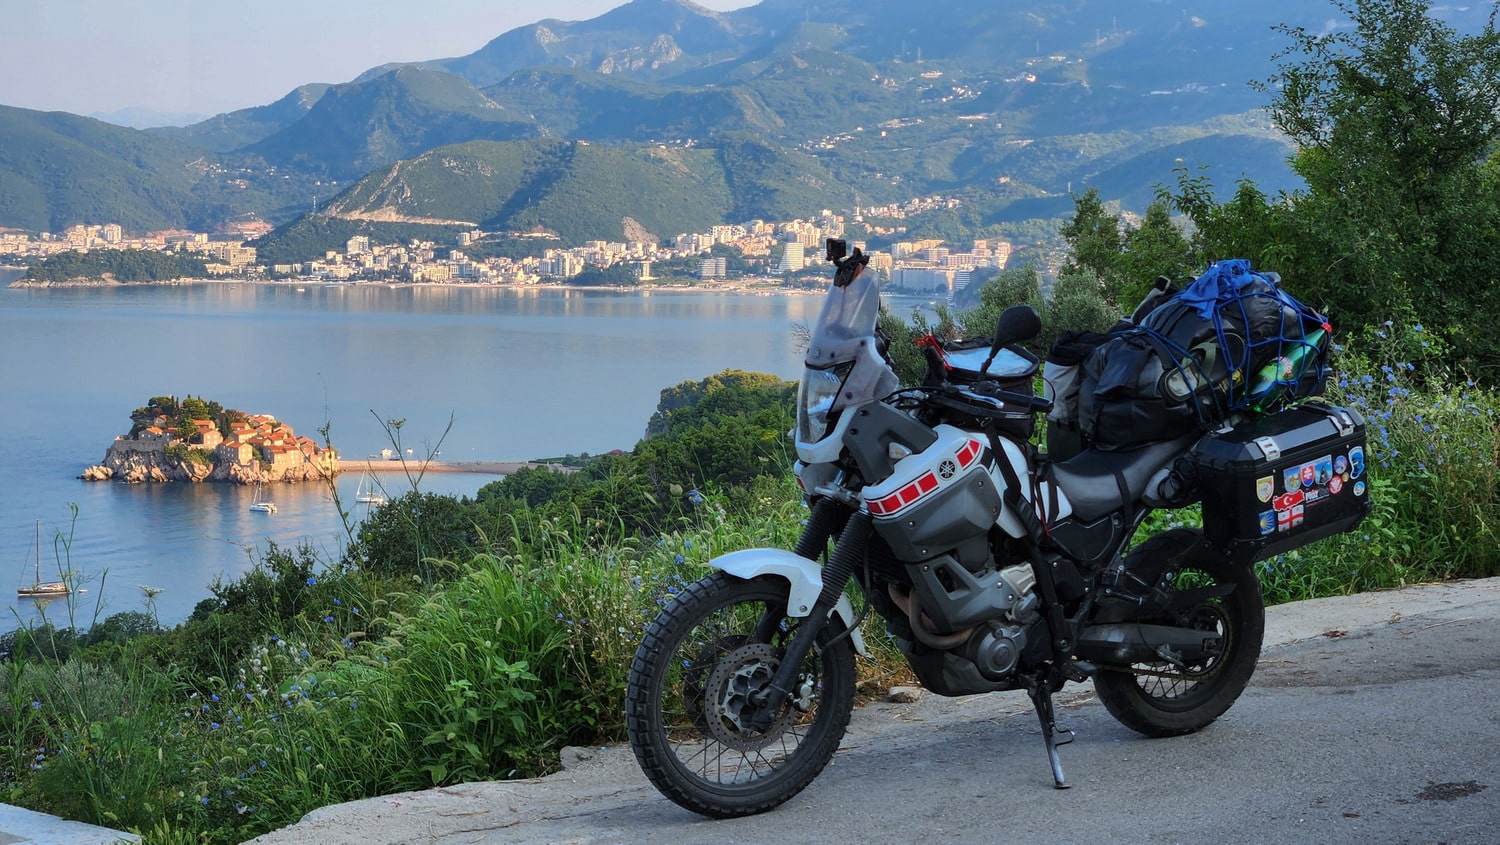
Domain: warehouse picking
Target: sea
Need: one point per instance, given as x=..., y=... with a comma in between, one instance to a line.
x=459, y=373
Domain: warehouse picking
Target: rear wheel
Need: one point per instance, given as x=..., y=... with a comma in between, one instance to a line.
x=688, y=705
x=1166, y=699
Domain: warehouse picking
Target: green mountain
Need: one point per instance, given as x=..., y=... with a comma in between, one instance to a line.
x=573, y=103
x=357, y=127
x=584, y=191
x=233, y=130
x=766, y=111
x=58, y=170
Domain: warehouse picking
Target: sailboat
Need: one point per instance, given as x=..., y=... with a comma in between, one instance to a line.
x=40, y=588
x=367, y=492
x=262, y=505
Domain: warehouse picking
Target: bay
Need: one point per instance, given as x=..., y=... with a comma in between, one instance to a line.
x=519, y=374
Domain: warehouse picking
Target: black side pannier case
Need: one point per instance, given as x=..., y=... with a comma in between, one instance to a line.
x=1277, y=482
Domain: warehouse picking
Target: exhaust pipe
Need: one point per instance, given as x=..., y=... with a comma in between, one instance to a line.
x=1128, y=642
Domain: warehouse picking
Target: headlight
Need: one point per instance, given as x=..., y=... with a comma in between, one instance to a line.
x=814, y=399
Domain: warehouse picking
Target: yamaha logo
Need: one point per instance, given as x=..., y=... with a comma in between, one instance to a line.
x=947, y=468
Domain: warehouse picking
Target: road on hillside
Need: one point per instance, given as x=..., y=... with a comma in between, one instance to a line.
x=1386, y=732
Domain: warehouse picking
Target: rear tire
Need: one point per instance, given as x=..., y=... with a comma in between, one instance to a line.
x=1199, y=693
x=687, y=708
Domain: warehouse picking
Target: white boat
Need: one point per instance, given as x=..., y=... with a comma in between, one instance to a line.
x=39, y=588
x=262, y=505
x=368, y=492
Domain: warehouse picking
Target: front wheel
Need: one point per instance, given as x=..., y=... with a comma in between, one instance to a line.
x=1166, y=699
x=688, y=701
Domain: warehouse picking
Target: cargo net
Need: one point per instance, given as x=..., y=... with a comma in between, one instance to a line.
x=1236, y=333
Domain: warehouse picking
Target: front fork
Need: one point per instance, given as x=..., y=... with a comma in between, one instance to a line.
x=847, y=554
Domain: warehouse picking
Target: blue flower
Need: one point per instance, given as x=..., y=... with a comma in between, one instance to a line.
x=36, y=705
x=311, y=581
x=328, y=619
x=1417, y=327
x=337, y=603
x=213, y=726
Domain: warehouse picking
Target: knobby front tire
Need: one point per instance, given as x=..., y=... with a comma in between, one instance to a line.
x=687, y=708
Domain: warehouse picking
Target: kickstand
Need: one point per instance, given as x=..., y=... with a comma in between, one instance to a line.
x=1040, y=690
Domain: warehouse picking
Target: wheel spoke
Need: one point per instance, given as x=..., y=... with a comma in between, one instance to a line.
x=696, y=678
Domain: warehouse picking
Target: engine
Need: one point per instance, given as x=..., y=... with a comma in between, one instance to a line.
x=980, y=656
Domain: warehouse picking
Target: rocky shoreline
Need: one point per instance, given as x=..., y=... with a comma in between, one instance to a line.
x=136, y=467
x=132, y=467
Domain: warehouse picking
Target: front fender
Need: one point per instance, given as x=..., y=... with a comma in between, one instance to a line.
x=804, y=576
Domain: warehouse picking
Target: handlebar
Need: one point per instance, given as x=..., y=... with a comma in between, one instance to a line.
x=986, y=399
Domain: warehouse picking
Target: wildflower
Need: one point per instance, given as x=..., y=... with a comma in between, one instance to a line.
x=36, y=705
x=213, y=726
x=311, y=581
x=214, y=697
x=1417, y=327
x=337, y=603
x=679, y=559
x=354, y=610
x=328, y=619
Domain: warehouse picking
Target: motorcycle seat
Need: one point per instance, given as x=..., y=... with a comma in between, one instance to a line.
x=1098, y=482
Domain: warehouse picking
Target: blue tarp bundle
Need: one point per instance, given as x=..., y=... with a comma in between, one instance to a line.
x=1225, y=282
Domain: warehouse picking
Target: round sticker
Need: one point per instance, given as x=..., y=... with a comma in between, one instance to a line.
x=1359, y=488
x=1335, y=484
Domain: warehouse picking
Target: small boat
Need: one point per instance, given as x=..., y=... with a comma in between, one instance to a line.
x=40, y=589
x=262, y=505
x=367, y=492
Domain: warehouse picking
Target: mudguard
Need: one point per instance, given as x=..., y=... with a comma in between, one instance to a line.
x=804, y=576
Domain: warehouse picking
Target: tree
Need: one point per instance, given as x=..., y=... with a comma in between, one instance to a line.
x=1154, y=248
x=1093, y=236
x=1394, y=119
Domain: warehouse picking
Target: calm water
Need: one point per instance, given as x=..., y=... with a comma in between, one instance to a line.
x=522, y=374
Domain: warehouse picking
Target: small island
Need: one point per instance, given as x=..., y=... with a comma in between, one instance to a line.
x=199, y=440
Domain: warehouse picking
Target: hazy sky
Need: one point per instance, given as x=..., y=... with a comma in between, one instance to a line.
x=211, y=56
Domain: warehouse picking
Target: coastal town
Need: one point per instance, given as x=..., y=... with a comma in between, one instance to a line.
x=770, y=252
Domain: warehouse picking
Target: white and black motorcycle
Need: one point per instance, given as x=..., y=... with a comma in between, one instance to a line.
x=994, y=567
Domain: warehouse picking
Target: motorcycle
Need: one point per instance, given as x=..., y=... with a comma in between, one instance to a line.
x=993, y=568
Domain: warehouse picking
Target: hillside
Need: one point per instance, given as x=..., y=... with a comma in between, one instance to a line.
x=556, y=186
x=880, y=98
x=59, y=169
x=355, y=128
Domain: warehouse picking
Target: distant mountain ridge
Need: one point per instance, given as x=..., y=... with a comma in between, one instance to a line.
x=1015, y=103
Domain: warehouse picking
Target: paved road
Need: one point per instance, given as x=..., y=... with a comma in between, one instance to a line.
x=1371, y=719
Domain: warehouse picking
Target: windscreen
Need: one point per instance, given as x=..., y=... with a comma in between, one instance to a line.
x=848, y=316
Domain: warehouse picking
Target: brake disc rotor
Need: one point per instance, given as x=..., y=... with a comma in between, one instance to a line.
x=729, y=711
